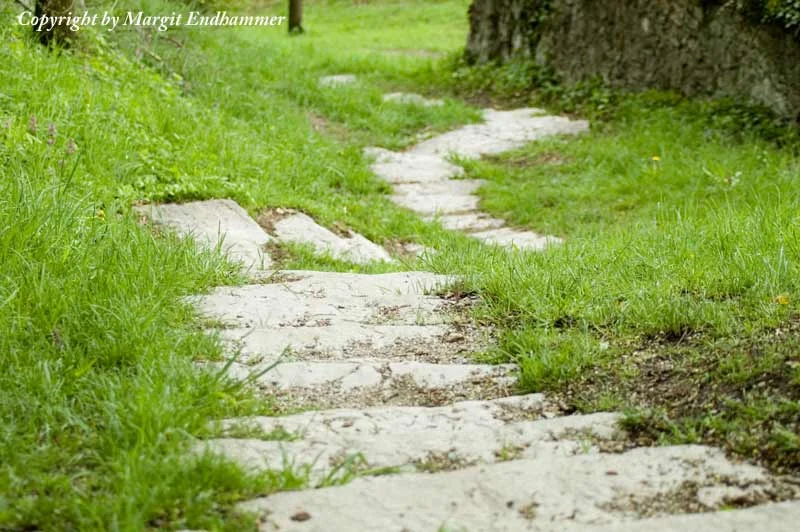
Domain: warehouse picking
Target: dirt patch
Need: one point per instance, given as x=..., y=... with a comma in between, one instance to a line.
x=398, y=391
x=689, y=498
x=403, y=249
x=269, y=217
x=279, y=254
x=323, y=126
x=275, y=277
x=550, y=158
x=443, y=461
x=739, y=394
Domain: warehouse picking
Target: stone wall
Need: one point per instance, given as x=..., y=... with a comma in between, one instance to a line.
x=692, y=46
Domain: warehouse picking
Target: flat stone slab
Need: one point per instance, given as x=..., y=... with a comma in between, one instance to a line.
x=364, y=383
x=501, y=131
x=343, y=340
x=336, y=316
x=468, y=222
x=410, y=98
x=456, y=187
x=779, y=517
x=354, y=375
x=300, y=228
x=314, y=298
x=432, y=204
x=512, y=238
x=411, y=437
x=405, y=167
x=337, y=80
x=546, y=494
x=213, y=223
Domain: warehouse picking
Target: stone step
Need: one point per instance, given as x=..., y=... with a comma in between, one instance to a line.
x=413, y=438
x=388, y=299
x=362, y=383
x=777, y=517
x=432, y=204
x=468, y=222
x=343, y=340
x=501, y=131
x=536, y=494
x=296, y=227
x=409, y=98
x=213, y=223
x=512, y=238
x=322, y=315
x=455, y=187
x=405, y=167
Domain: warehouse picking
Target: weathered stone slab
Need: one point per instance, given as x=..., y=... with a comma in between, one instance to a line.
x=342, y=339
x=386, y=299
x=437, y=203
x=332, y=316
x=517, y=495
x=410, y=439
x=511, y=238
x=302, y=229
x=502, y=131
x=353, y=375
x=364, y=383
x=468, y=222
x=412, y=99
x=455, y=187
x=405, y=167
x=213, y=223
x=337, y=80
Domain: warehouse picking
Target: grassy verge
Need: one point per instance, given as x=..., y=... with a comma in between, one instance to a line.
x=99, y=397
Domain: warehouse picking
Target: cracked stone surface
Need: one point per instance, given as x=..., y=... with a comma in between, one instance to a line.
x=365, y=383
x=413, y=438
x=526, y=494
x=308, y=296
x=432, y=204
x=405, y=167
x=336, y=316
x=215, y=222
x=501, y=131
x=424, y=180
x=337, y=80
x=412, y=99
x=341, y=340
x=469, y=222
x=302, y=229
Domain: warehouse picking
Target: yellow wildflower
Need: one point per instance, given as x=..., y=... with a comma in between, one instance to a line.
x=655, y=158
x=782, y=299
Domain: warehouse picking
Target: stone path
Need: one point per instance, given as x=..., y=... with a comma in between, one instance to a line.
x=427, y=183
x=379, y=368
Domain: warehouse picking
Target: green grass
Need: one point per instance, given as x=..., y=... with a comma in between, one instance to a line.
x=99, y=397
x=675, y=294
